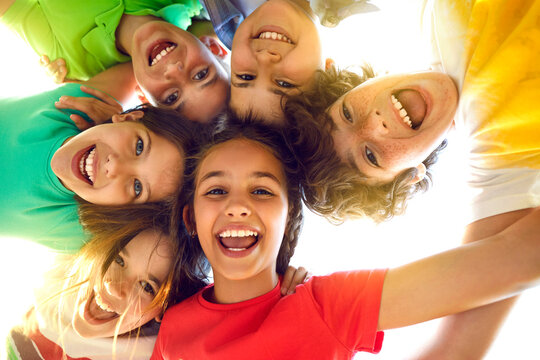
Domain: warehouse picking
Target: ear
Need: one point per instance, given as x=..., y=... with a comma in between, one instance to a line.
x=140, y=95
x=130, y=116
x=214, y=46
x=158, y=318
x=420, y=174
x=329, y=63
x=188, y=221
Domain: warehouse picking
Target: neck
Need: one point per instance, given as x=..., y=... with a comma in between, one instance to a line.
x=127, y=27
x=228, y=291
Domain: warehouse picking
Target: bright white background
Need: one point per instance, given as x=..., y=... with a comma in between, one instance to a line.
x=433, y=223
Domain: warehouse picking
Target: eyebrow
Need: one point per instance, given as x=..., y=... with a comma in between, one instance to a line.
x=256, y=174
x=241, y=84
x=155, y=280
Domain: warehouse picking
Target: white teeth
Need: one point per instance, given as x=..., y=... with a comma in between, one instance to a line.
x=236, y=249
x=402, y=112
x=237, y=233
x=89, y=165
x=101, y=305
x=274, y=36
x=162, y=54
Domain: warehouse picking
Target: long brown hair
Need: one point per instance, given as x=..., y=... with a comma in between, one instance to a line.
x=273, y=139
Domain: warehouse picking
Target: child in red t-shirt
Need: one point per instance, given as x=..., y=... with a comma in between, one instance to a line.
x=244, y=212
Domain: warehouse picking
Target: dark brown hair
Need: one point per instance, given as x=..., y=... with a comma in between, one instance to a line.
x=332, y=188
x=273, y=139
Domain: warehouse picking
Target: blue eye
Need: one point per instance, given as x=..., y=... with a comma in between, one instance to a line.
x=245, y=77
x=201, y=75
x=285, y=84
x=139, y=147
x=137, y=187
x=216, y=191
x=261, y=192
x=171, y=99
x=371, y=157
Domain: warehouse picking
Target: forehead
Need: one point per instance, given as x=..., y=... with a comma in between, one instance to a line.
x=165, y=167
x=151, y=250
x=241, y=156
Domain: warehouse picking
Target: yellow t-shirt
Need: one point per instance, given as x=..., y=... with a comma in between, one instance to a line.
x=492, y=49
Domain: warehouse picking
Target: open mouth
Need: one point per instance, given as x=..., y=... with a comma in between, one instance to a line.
x=86, y=165
x=273, y=35
x=411, y=106
x=97, y=312
x=238, y=240
x=159, y=51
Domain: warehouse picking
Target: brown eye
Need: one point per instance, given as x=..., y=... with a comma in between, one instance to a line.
x=201, y=75
x=245, y=77
x=171, y=99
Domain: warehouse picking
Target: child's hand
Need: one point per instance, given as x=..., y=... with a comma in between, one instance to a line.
x=99, y=110
x=57, y=70
x=293, y=277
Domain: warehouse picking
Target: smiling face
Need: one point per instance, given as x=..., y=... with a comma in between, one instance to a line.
x=392, y=123
x=275, y=50
x=240, y=210
x=175, y=70
x=128, y=288
x=119, y=163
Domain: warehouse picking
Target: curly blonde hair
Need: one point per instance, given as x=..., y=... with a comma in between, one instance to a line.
x=333, y=189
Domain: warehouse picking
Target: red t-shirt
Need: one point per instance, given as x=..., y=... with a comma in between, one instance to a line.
x=329, y=317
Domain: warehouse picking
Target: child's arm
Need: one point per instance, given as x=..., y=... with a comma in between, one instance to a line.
x=4, y=6
x=292, y=278
x=463, y=278
x=109, y=87
x=470, y=334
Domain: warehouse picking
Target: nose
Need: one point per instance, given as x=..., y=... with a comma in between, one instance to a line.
x=266, y=56
x=238, y=208
x=174, y=70
x=116, y=289
x=115, y=166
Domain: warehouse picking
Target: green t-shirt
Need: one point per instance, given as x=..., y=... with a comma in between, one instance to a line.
x=34, y=204
x=83, y=32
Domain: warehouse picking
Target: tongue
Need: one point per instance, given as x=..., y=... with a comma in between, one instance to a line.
x=238, y=242
x=414, y=104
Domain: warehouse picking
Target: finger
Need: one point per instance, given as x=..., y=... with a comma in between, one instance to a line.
x=44, y=60
x=60, y=70
x=80, y=122
x=102, y=96
x=298, y=278
x=287, y=279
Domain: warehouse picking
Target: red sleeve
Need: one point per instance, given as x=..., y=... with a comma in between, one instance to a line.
x=349, y=303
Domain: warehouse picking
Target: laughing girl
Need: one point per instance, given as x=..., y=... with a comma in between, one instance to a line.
x=47, y=161
x=244, y=210
x=103, y=303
